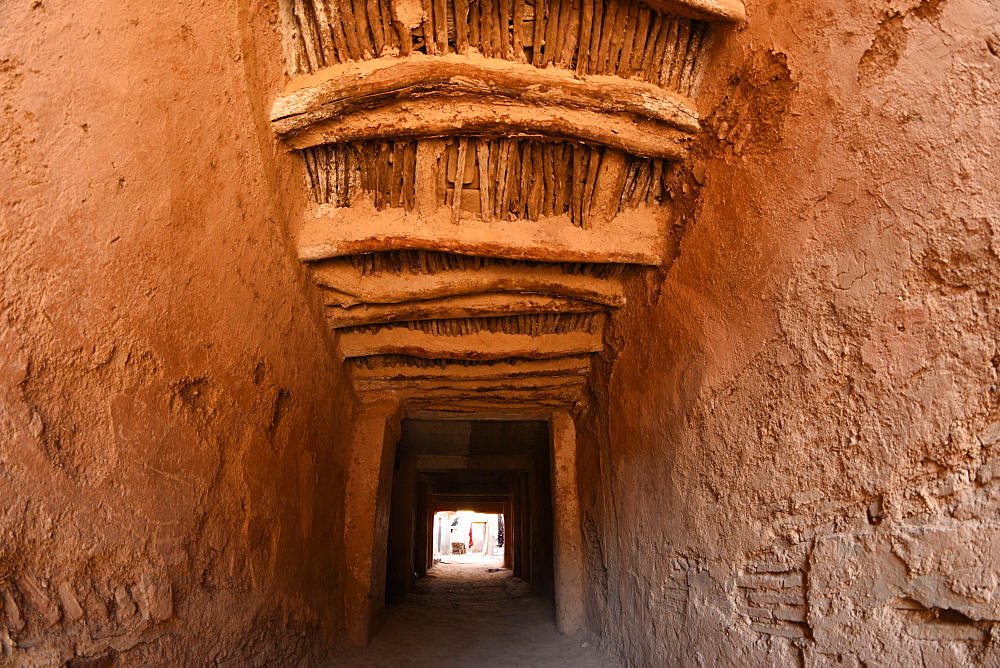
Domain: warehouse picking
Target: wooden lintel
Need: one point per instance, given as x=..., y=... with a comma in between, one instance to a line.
x=427, y=462
x=408, y=120
x=482, y=345
x=481, y=410
x=634, y=236
x=527, y=395
x=524, y=368
x=469, y=408
x=350, y=286
x=463, y=306
x=472, y=505
x=435, y=498
x=348, y=88
x=472, y=385
x=455, y=399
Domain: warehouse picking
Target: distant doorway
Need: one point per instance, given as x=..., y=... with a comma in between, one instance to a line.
x=465, y=532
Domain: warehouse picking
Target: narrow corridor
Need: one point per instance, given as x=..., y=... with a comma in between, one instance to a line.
x=684, y=312
x=469, y=610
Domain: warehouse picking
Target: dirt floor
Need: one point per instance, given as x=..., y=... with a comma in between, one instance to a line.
x=462, y=613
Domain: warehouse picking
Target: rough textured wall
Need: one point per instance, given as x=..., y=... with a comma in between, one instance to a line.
x=169, y=408
x=802, y=442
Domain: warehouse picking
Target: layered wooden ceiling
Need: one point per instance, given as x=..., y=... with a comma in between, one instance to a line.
x=481, y=174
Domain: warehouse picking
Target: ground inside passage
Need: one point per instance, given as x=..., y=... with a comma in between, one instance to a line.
x=468, y=610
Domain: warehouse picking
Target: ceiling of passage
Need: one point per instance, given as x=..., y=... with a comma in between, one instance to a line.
x=481, y=176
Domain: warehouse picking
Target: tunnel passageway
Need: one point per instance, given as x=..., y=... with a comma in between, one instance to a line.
x=470, y=610
x=306, y=304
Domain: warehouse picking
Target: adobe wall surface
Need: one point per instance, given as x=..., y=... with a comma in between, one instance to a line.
x=801, y=459
x=170, y=408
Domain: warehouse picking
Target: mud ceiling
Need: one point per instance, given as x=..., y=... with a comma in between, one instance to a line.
x=481, y=176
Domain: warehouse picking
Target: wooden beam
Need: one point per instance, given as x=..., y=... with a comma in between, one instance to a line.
x=490, y=496
x=351, y=286
x=471, y=385
x=475, y=462
x=348, y=88
x=726, y=11
x=635, y=236
x=436, y=499
x=482, y=345
x=487, y=409
x=523, y=368
x=486, y=413
x=638, y=136
x=470, y=504
x=481, y=410
x=463, y=306
x=553, y=397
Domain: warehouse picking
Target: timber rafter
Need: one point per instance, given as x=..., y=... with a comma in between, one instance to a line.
x=476, y=117
x=349, y=88
x=637, y=236
x=390, y=368
x=481, y=345
x=350, y=285
x=487, y=305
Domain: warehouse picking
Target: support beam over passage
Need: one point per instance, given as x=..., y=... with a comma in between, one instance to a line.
x=470, y=503
x=453, y=399
x=433, y=462
x=488, y=305
x=483, y=386
x=350, y=285
x=479, y=346
x=348, y=88
x=638, y=136
x=483, y=409
x=634, y=236
x=456, y=371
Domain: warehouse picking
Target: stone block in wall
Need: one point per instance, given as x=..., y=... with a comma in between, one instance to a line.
x=71, y=607
x=773, y=582
x=95, y=605
x=952, y=565
x=675, y=587
x=155, y=598
x=36, y=597
x=988, y=472
x=12, y=613
x=780, y=630
x=756, y=613
x=900, y=587
x=990, y=435
x=125, y=608
x=772, y=594
x=948, y=631
x=989, y=438
x=789, y=613
x=105, y=660
x=7, y=645
x=815, y=659
x=776, y=597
